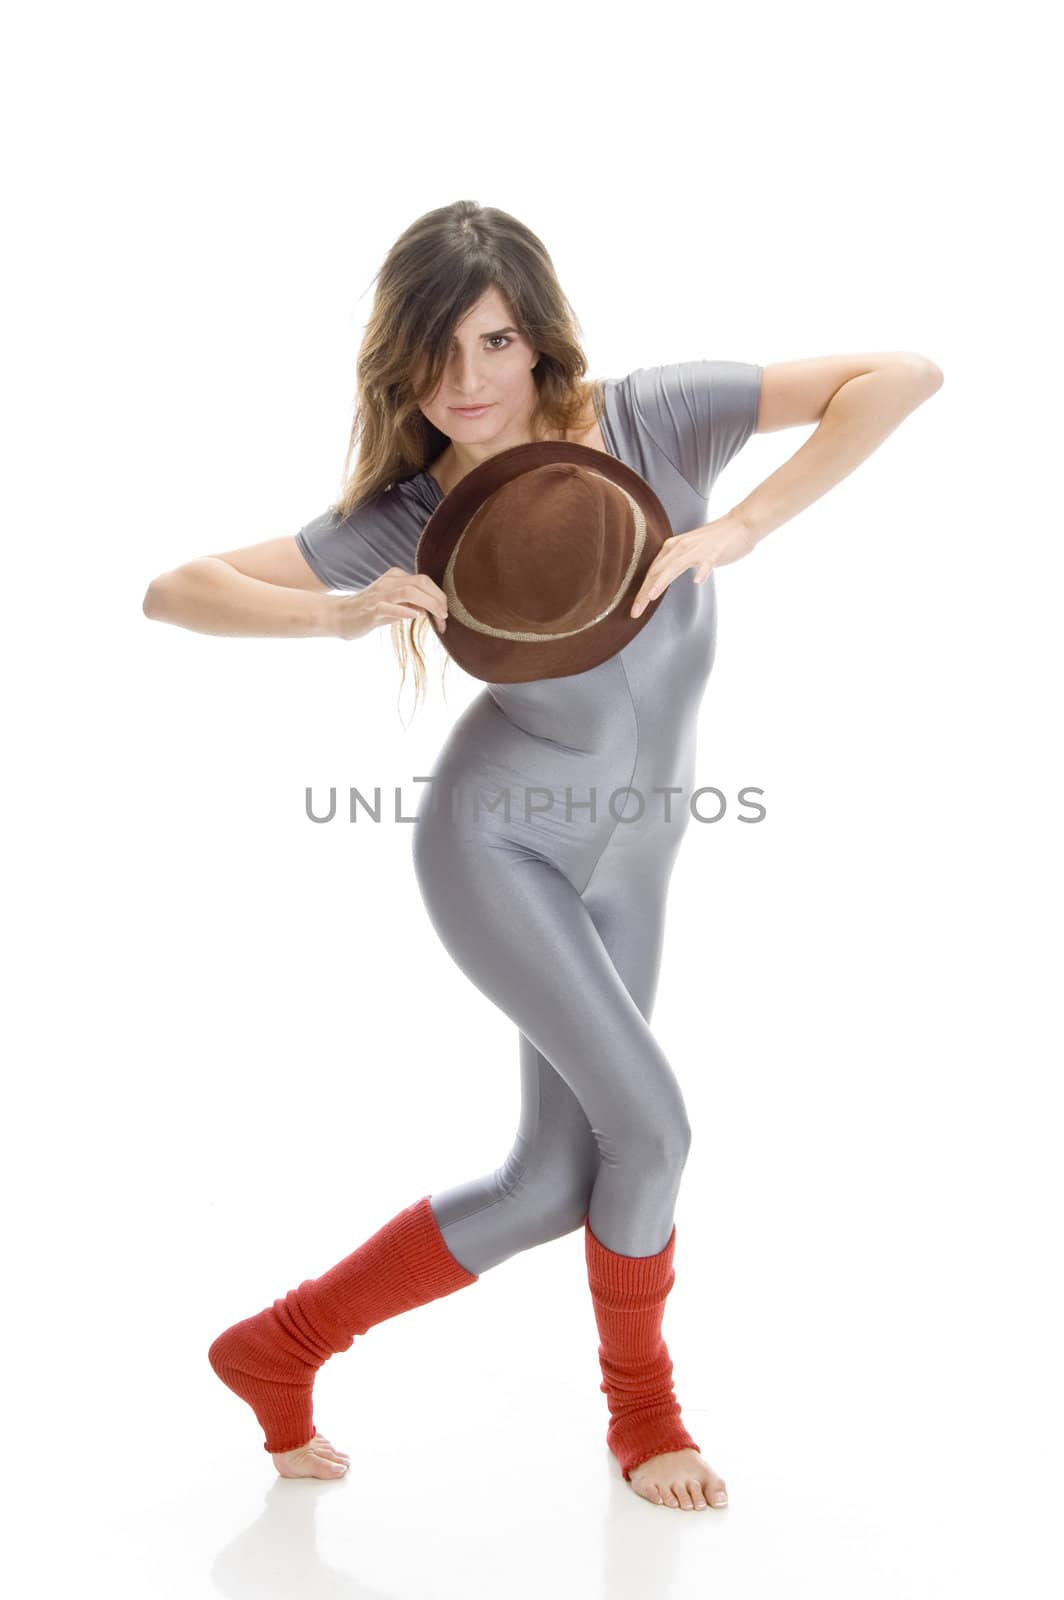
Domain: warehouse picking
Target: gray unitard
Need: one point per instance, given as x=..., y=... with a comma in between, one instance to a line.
x=556, y=912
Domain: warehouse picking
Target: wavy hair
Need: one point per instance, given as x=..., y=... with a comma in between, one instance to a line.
x=432, y=276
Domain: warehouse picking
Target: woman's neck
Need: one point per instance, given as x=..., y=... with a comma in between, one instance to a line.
x=448, y=470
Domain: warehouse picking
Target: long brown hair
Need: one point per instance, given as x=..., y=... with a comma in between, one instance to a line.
x=434, y=273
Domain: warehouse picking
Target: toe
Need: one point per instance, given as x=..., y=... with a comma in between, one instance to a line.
x=718, y=1496
x=321, y=1443
x=683, y=1498
x=694, y=1489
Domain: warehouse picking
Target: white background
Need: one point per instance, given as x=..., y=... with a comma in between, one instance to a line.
x=236, y=1045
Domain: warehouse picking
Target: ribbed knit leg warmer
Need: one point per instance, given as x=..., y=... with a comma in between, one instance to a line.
x=270, y=1359
x=628, y=1293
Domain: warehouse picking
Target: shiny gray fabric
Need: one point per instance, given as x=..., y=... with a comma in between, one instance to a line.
x=544, y=846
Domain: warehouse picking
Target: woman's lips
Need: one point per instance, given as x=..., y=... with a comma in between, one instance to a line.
x=471, y=411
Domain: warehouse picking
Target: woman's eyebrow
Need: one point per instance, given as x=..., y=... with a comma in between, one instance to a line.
x=496, y=332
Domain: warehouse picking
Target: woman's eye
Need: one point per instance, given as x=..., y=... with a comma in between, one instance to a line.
x=501, y=336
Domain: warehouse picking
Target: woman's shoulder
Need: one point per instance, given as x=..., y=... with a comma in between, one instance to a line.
x=698, y=412
x=348, y=551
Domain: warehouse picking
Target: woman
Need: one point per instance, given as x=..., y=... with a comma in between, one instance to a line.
x=559, y=923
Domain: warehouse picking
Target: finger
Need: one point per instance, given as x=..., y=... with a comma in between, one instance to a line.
x=642, y=594
x=436, y=600
x=659, y=576
x=400, y=610
x=429, y=585
x=657, y=586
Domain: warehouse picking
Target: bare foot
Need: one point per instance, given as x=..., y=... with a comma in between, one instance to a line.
x=681, y=1479
x=315, y=1459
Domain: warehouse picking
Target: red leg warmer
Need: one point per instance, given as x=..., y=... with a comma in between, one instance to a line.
x=628, y=1293
x=270, y=1359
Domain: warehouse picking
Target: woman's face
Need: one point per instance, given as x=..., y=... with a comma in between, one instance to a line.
x=489, y=364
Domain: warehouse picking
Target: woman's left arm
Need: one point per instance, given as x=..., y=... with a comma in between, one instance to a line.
x=854, y=419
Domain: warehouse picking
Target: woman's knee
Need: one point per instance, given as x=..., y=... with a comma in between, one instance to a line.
x=657, y=1143
x=554, y=1203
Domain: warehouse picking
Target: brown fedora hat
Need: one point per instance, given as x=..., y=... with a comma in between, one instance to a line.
x=540, y=551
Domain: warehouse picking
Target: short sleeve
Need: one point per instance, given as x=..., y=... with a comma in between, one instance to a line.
x=699, y=413
x=352, y=552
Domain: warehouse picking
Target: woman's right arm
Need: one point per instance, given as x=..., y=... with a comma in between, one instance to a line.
x=269, y=591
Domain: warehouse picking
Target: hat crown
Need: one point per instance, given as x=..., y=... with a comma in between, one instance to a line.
x=549, y=547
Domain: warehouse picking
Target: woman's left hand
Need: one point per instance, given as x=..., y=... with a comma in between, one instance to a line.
x=713, y=545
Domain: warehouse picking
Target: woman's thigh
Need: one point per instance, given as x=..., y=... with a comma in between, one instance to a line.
x=522, y=934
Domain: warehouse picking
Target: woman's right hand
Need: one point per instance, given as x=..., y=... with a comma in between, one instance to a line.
x=392, y=597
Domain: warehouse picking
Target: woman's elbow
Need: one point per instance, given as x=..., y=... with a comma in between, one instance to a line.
x=154, y=603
